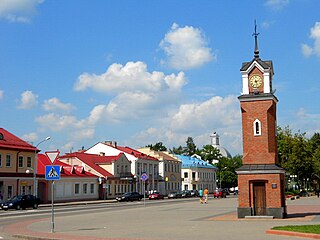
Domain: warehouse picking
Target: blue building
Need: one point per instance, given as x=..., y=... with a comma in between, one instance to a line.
x=197, y=174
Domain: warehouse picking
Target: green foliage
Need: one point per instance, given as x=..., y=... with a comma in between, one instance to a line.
x=157, y=147
x=189, y=150
x=299, y=156
x=209, y=153
x=227, y=171
x=179, y=150
x=191, y=147
x=300, y=228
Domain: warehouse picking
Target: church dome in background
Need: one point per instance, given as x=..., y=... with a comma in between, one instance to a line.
x=215, y=143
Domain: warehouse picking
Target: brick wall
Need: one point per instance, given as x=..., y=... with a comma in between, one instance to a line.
x=273, y=195
x=261, y=149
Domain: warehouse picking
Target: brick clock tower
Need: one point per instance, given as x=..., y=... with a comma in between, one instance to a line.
x=260, y=179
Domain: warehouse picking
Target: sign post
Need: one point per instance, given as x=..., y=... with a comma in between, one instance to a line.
x=52, y=173
x=144, y=178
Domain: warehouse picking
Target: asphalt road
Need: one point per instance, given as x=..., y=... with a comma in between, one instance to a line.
x=157, y=220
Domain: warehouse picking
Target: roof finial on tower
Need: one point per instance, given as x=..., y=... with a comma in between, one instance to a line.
x=255, y=34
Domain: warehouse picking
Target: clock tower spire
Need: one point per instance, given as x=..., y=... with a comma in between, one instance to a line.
x=260, y=179
x=255, y=34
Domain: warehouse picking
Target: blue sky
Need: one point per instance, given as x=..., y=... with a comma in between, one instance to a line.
x=141, y=72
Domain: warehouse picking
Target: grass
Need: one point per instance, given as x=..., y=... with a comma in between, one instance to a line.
x=302, y=228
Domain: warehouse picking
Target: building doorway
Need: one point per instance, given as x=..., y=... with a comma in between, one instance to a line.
x=259, y=198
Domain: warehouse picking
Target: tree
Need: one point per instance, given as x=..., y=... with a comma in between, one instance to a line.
x=157, y=147
x=296, y=154
x=209, y=153
x=226, y=174
x=191, y=147
x=179, y=150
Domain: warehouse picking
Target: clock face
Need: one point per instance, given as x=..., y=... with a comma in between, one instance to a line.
x=255, y=81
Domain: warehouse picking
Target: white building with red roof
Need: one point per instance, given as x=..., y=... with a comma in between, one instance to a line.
x=75, y=184
x=140, y=164
x=113, y=173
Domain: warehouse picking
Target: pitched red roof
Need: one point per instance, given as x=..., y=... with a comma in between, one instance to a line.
x=93, y=161
x=8, y=140
x=66, y=169
x=136, y=153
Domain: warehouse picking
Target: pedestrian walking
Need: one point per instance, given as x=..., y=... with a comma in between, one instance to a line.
x=206, y=194
x=201, y=196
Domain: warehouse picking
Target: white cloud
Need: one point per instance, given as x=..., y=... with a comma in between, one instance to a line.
x=197, y=120
x=129, y=106
x=87, y=133
x=30, y=137
x=28, y=100
x=55, y=122
x=132, y=77
x=1, y=94
x=136, y=92
x=18, y=10
x=186, y=47
x=54, y=104
x=216, y=111
x=305, y=122
x=277, y=4
x=308, y=50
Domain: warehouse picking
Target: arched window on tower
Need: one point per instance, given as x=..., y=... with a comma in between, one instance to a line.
x=257, y=127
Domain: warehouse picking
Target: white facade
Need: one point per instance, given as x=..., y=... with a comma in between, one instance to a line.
x=70, y=189
x=197, y=174
x=139, y=165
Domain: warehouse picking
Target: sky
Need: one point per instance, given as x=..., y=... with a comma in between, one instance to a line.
x=148, y=71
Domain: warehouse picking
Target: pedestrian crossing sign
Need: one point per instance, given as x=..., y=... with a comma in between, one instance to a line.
x=52, y=172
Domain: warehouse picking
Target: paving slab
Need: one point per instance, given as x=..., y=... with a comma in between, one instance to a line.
x=181, y=221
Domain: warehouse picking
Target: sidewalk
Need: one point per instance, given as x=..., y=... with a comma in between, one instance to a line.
x=185, y=220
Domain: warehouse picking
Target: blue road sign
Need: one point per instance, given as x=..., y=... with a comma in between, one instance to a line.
x=52, y=172
x=144, y=177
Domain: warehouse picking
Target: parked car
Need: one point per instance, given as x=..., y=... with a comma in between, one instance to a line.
x=21, y=202
x=175, y=195
x=194, y=193
x=219, y=194
x=304, y=193
x=130, y=196
x=186, y=193
x=155, y=196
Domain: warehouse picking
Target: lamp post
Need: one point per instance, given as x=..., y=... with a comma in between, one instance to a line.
x=35, y=183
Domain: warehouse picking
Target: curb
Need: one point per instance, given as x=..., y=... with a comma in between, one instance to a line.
x=293, y=234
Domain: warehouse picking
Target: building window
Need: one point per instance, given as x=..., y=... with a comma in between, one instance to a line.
x=85, y=188
x=10, y=190
x=185, y=175
x=20, y=161
x=92, y=188
x=23, y=190
x=257, y=127
x=0, y=160
x=77, y=188
x=193, y=175
x=29, y=189
x=29, y=162
x=8, y=161
x=118, y=169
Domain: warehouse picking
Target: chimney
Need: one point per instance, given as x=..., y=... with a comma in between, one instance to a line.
x=111, y=143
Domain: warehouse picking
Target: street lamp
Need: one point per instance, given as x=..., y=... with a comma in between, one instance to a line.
x=35, y=183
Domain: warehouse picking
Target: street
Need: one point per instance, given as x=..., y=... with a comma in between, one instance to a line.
x=168, y=219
